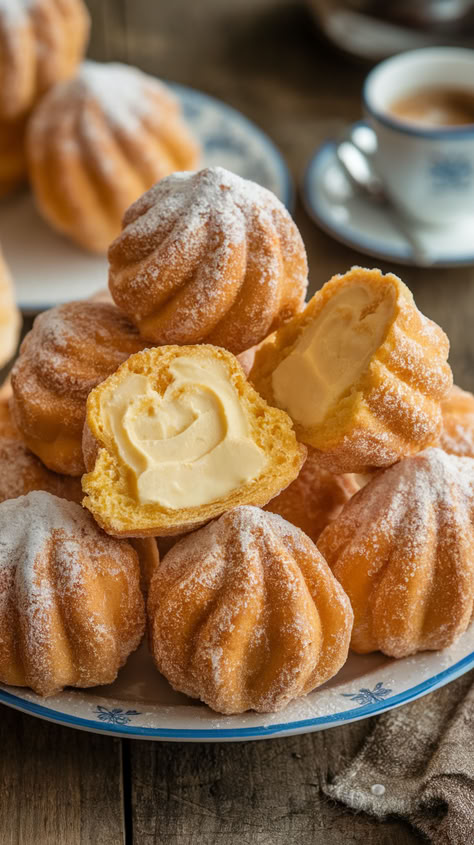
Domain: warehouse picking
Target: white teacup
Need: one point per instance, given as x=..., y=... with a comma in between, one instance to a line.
x=428, y=171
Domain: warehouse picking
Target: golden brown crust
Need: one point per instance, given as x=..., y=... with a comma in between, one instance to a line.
x=107, y=488
x=315, y=498
x=41, y=43
x=457, y=436
x=12, y=155
x=10, y=319
x=394, y=409
x=7, y=426
x=70, y=350
x=245, y=615
x=208, y=257
x=21, y=472
x=402, y=550
x=99, y=141
x=71, y=608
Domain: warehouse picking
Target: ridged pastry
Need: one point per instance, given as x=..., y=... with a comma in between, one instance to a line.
x=245, y=614
x=208, y=257
x=7, y=426
x=403, y=550
x=12, y=155
x=315, y=498
x=70, y=350
x=10, y=320
x=361, y=372
x=71, y=608
x=457, y=435
x=41, y=43
x=97, y=142
x=21, y=472
x=176, y=437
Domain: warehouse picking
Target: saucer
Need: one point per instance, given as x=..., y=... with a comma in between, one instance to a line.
x=355, y=221
x=49, y=269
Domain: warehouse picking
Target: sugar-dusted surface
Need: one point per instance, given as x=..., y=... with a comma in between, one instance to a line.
x=208, y=256
x=96, y=142
x=457, y=436
x=70, y=350
x=123, y=93
x=70, y=605
x=245, y=614
x=403, y=550
x=21, y=472
x=391, y=408
x=315, y=498
x=14, y=11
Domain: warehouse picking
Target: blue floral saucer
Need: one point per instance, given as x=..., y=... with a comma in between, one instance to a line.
x=355, y=221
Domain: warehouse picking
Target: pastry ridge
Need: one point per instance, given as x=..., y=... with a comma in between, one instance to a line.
x=71, y=609
x=106, y=136
x=208, y=257
x=402, y=550
x=245, y=615
x=394, y=407
x=70, y=349
x=41, y=43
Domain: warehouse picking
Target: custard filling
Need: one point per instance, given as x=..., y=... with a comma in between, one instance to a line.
x=190, y=446
x=332, y=352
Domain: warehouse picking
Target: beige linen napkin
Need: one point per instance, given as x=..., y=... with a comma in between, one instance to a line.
x=418, y=763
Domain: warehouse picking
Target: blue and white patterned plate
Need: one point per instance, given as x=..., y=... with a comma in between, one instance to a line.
x=141, y=704
x=48, y=269
x=357, y=222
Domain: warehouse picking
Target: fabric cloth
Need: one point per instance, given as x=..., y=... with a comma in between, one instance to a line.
x=418, y=763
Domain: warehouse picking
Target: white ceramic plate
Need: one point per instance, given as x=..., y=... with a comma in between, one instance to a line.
x=141, y=704
x=357, y=222
x=48, y=269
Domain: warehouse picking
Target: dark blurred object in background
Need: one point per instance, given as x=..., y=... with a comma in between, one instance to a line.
x=374, y=29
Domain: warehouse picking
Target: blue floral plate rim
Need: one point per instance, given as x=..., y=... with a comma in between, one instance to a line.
x=377, y=697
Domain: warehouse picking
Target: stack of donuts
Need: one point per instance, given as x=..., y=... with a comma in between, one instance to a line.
x=306, y=471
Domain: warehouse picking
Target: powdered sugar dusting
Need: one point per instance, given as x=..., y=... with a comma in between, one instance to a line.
x=457, y=436
x=245, y=577
x=314, y=498
x=410, y=533
x=15, y=11
x=50, y=549
x=191, y=241
x=21, y=472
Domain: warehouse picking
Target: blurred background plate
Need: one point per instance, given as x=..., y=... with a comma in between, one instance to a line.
x=49, y=269
x=142, y=705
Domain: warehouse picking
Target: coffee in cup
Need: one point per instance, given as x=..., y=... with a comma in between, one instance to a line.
x=420, y=105
x=435, y=106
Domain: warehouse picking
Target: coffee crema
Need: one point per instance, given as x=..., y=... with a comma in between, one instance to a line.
x=435, y=106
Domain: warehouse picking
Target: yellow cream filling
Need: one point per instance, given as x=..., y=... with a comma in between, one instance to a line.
x=332, y=352
x=189, y=447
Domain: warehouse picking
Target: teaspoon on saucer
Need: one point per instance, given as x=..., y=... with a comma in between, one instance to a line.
x=353, y=157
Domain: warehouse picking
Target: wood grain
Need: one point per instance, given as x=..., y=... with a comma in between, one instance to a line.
x=263, y=793
x=63, y=786
x=58, y=786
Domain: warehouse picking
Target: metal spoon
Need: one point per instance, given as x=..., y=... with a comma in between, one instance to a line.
x=355, y=163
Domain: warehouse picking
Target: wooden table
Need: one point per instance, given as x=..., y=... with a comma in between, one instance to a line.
x=60, y=786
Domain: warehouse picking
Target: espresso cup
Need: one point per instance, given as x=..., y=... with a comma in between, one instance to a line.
x=427, y=170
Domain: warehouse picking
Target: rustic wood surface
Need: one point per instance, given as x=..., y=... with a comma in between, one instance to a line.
x=62, y=786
